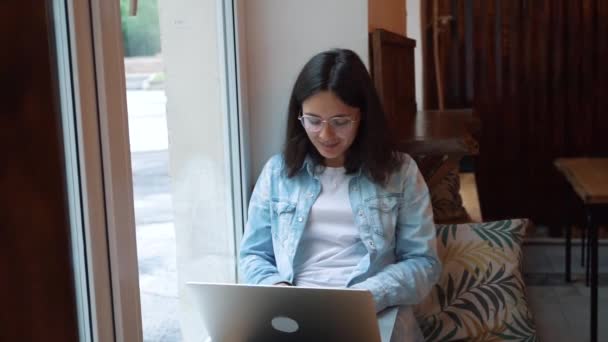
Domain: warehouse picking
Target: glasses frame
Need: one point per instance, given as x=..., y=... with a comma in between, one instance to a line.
x=324, y=122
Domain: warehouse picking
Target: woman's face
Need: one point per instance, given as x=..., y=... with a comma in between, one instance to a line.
x=333, y=137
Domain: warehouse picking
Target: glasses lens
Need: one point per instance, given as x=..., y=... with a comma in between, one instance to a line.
x=340, y=124
x=312, y=124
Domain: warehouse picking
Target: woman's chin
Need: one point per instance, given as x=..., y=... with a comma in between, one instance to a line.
x=333, y=155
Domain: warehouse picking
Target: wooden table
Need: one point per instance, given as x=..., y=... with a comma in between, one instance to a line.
x=589, y=180
x=444, y=136
x=441, y=132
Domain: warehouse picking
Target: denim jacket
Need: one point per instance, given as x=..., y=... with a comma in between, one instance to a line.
x=395, y=222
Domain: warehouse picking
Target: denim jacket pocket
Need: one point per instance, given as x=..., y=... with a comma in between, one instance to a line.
x=282, y=212
x=383, y=214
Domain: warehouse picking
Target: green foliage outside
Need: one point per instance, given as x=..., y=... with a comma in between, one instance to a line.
x=141, y=34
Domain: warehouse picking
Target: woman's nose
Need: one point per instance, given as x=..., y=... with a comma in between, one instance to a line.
x=327, y=131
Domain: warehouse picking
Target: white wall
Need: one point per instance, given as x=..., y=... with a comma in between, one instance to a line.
x=281, y=35
x=414, y=32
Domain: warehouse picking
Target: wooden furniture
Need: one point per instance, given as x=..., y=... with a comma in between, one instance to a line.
x=392, y=69
x=448, y=132
x=443, y=138
x=589, y=180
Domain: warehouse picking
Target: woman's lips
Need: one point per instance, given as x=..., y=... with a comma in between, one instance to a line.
x=330, y=146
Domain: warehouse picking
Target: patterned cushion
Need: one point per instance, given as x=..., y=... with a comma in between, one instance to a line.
x=445, y=191
x=481, y=293
x=446, y=199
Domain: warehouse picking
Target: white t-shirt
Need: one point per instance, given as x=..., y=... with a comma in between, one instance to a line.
x=330, y=247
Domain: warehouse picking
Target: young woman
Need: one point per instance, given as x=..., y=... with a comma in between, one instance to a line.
x=340, y=207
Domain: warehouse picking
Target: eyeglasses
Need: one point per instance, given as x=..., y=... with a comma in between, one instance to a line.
x=314, y=124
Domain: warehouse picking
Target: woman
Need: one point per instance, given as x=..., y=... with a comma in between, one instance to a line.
x=340, y=207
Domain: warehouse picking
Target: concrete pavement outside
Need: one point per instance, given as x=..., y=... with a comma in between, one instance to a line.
x=156, y=246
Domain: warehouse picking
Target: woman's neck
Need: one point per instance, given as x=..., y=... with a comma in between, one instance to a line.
x=334, y=162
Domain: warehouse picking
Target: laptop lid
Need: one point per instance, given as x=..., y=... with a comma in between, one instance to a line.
x=238, y=313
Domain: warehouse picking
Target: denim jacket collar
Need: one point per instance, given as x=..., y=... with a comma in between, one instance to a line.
x=309, y=165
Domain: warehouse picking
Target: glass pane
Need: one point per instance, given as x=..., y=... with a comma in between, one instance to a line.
x=178, y=128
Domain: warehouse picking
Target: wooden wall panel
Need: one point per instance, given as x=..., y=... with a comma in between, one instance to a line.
x=36, y=284
x=600, y=93
x=574, y=76
x=588, y=68
x=540, y=83
x=453, y=54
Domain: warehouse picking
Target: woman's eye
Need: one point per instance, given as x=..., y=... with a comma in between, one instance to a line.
x=314, y=121
x=340, y=122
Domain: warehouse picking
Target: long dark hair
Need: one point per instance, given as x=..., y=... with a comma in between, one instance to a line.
x=342, y=72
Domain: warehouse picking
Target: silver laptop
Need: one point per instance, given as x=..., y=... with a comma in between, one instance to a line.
x=251, y=313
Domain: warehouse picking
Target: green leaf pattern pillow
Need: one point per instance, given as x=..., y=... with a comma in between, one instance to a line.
x=480, y=295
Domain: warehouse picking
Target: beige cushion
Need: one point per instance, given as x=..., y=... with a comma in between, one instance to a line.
x=481, y=293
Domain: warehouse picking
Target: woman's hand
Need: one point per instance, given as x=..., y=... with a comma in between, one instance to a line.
x=283, y=283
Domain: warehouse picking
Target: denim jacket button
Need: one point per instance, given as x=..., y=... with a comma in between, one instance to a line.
x=300, y=219
x=371, y=244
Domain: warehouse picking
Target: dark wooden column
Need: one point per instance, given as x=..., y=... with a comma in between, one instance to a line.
x=37, y=298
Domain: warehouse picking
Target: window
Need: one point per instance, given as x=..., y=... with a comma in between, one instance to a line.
x=158, y=167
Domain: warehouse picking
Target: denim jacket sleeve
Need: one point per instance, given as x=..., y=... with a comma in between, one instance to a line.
x=256, y=257
x=417, y=267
